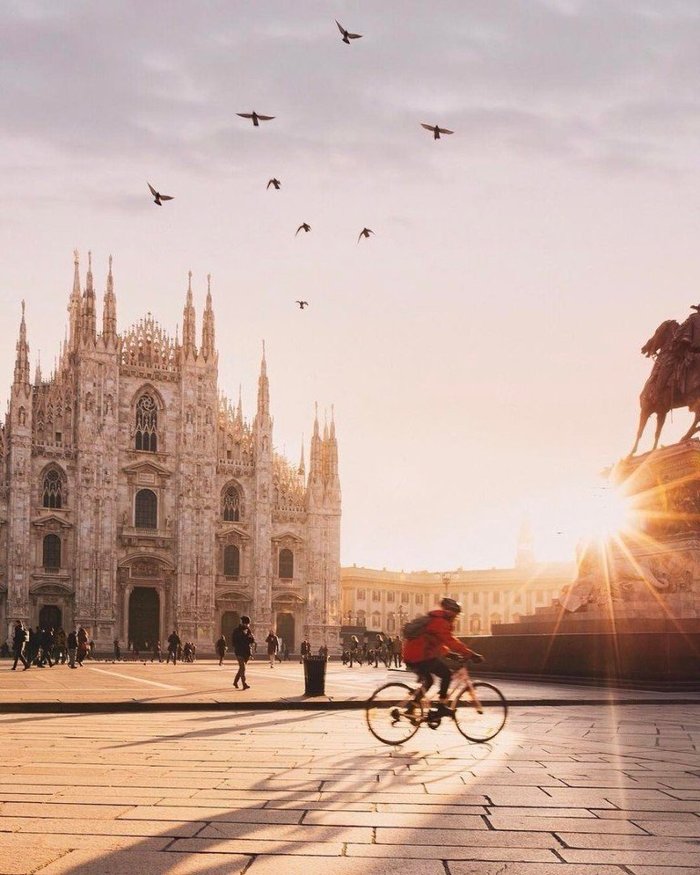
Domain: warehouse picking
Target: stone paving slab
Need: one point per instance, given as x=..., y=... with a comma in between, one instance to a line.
x=195, y=793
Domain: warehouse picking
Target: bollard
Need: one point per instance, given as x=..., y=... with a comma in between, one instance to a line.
x=314, y=675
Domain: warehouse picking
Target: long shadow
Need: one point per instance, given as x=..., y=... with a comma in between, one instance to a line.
x=285, y=810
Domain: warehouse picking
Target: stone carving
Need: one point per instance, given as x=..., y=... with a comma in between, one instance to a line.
x=145, y=568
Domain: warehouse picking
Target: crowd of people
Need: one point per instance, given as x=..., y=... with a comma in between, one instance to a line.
x=384, y=649
x=43, y=647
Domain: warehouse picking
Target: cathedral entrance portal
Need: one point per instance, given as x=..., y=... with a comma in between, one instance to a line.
x=230, y=621
x=144, y=616
x=50, y=617
x=285, y=630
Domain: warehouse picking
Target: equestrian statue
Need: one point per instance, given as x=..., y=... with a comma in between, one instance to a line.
x=675, y=378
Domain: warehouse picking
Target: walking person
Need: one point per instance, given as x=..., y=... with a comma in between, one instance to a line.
x=304, y=649
x=397, y=652
x=174, y=647
x=19, y=639
x=242, y=641
x=355, y=653
x=273, y=646
x=82, y=637
x=72, y=644
x=221, y=648
x=59, y=647
x=157, y=653
x=46, y=647
x=117, y=650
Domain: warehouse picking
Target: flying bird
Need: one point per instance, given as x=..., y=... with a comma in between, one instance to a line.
x=347, y=36
x=256, y=118
x=302, y=304
x=303, y=227
x=365, y=232
x=158, y=198
x=436, y=130
x=275, y=182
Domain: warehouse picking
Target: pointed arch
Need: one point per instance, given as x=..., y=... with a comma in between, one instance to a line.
x=232, y=502
x=54, y=493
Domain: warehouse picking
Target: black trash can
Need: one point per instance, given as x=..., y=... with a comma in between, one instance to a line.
x=314, y=675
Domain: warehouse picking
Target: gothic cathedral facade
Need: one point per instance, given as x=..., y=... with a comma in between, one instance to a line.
x=135, y=499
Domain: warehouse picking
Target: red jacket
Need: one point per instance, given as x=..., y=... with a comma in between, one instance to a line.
x=437, y=640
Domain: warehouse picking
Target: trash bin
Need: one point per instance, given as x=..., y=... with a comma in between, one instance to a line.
x=314, y=675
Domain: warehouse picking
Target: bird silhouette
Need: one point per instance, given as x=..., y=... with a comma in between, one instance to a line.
x=255, y=117
x=157, y=196
x=303, y=227
x=302, y=304
x=436, y=130
x=365, y=232
x=347, y=36
x=275, y=182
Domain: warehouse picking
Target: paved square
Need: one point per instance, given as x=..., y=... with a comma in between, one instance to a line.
x=587, y=789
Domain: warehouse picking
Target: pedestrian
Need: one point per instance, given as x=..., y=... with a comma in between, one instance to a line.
x=242, y=641
x=72, y=644
x=117, y=650
x=323, y=652
x=59, y=647
x=174, y=647
x=19, y=640
x=397, y=652
x=82, y=637
x=91, y=649
x=273, y=645
x=304, y=649
x=34, y=645
x=285, y=650
x=157, y=653
x=221, y=648
x=355, y=652
x=46, y=647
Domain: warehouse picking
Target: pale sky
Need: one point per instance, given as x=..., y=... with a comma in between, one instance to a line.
x=482, y=349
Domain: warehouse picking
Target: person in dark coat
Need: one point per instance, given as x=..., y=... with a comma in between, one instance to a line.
x=304, y=649
x=174, y=647
x=221, y=648
x=82, y=637
x=19, y=639
x=273, y=646
x=72, y=643
x=242, y=641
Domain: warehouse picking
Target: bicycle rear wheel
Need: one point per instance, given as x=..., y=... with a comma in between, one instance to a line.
x=485, y=722
x=392, y=714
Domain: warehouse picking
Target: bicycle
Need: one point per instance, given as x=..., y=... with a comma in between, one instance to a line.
x=396, y=711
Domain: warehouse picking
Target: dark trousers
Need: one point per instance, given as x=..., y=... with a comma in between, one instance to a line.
x=172, y=653
x=240, y=674
x=425, y=671
x=19, y=657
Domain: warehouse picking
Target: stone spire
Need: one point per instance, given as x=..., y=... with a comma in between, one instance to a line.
x=109, y=309
x=22, y=358
x=74, y=306
x=37, y=373
x=188, y=324
x=316, y=460
x=208, y=350
x=89, y=315
x=263, y=388
x=302, y=467
x=239, y=408
x=332, y=448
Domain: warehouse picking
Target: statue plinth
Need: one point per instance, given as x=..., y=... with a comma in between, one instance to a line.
x=645, y=578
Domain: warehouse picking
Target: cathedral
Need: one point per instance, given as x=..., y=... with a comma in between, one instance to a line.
x=136, y=499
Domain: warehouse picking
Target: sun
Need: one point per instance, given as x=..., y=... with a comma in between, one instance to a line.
x=609, y=513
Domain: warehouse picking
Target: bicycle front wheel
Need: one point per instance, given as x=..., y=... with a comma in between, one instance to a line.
x=481, y=718
x=392, y=714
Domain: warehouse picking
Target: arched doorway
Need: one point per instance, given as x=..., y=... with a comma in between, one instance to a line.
x=144, y=616
x=50, y=617
x=285, y=630
x=229, y=621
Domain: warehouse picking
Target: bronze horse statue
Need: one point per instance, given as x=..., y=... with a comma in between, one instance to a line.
x=674, y=382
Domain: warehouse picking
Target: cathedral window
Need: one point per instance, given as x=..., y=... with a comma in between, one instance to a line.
x=286, y=564
x=232, y=561
x=146, y=435
x=404, y=598
x=52, y=489
x=376, y=620
x=146, y=510
x=51, y=552
x=391, y=596
x=231, y=505
x=376, y=595
x=419, y=599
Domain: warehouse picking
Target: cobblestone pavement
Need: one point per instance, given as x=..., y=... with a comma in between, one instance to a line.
x=570, y=790
x=204, y=682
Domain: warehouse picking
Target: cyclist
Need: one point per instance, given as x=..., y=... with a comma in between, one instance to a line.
x=425, y=655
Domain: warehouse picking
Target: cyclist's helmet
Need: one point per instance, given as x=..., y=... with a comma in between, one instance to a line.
x=451, y=605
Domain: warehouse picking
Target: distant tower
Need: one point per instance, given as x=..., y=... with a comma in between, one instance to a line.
x=525, y=554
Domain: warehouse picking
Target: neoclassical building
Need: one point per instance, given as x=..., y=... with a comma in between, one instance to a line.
x=381, y=600
x=134, y=498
